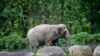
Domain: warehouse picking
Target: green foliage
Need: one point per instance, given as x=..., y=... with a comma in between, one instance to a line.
x=36, y=55
x=62, y=42
x=74, y=26
x=80, y=38
x=85, y=38
x=86, y=26
x=94, y=39
x=12, y=42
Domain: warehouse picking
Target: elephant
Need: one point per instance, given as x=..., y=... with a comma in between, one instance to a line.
x=47, y=34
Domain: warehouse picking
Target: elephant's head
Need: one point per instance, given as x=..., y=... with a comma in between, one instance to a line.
x=62, y=29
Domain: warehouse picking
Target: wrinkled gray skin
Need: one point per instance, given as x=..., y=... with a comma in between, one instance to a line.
x=47, y=34
x=97, y=51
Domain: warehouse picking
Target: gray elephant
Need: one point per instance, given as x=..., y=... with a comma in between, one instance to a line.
x=46, y=34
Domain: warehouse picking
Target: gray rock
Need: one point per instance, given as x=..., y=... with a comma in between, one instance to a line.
x=51, y=51
x=80, y=50
x=96, y=51
x=16, y=53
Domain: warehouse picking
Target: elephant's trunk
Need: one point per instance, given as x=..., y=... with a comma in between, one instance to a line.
x=67, y=35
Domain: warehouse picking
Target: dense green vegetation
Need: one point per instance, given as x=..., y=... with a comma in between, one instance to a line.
x=17, y=16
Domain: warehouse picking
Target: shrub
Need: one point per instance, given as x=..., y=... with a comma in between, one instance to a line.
x=94, y=39
x=85, y=38
x=12, y=42
x=80, y=38
x=75, y=27
x=62, y=42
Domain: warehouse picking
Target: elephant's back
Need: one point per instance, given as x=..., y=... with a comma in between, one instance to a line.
x=38, y=31
x=42, y=27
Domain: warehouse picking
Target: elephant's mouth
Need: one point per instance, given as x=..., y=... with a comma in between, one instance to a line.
x=64, y=33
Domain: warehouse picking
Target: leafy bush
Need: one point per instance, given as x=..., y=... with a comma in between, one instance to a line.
x=95, y=39
x=12, y=42
x=75, y=27
x=85, y=38
x=80, y=38
x=62, y=42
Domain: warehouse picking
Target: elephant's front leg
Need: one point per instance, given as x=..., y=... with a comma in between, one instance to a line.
x=33, y=48
x=48, y=41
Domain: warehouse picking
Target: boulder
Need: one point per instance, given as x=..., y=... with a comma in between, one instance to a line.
x=80, y=50
x=16, y=53
x=96, y=51
x=50, y=51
